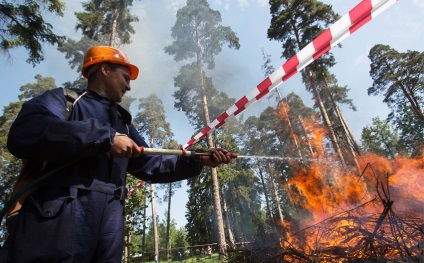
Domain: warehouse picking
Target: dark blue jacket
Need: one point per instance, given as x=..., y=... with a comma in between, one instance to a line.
x=41, y=132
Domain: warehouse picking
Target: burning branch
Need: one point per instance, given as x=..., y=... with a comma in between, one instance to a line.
x=360, y=233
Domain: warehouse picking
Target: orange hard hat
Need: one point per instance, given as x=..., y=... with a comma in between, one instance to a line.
x=98, y=54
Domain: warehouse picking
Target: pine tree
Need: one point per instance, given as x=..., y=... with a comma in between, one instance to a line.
x=23, y=25
x=296, y=23
x=198, y=34
x=398, y=77
x=151, y=123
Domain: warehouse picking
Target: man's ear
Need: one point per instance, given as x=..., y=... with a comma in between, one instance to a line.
x=105, y=69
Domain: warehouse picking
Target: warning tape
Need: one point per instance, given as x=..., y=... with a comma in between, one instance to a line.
x=135, y=187
x=341, y=29
x=362, y=13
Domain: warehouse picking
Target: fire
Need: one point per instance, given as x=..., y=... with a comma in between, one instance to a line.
x=379, y=213
x=314, y=135
x=408, y=188
x=284, y=109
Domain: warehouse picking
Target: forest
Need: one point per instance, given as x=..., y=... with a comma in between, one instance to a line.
x=303, y=188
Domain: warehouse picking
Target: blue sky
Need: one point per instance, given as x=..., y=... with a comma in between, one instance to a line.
x=236, y=71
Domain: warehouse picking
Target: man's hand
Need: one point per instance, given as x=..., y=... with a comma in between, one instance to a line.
x=218, y=156
x=123, y=146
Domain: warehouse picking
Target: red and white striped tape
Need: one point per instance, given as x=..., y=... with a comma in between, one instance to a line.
x=345, y=26
x=137, y=186
x=332, y=36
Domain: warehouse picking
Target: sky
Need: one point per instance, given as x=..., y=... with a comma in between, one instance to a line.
x=236, y=71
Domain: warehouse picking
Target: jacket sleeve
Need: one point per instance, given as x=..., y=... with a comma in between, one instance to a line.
x=40, y=132
x=161, y=168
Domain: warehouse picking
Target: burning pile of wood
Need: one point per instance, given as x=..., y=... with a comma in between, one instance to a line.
x=387, y=228
x=355, y=235
x=352, y=236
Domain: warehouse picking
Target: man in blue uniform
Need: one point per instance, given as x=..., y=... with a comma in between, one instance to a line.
x=77, y=214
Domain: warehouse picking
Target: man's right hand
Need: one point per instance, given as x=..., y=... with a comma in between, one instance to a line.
x=124, y=147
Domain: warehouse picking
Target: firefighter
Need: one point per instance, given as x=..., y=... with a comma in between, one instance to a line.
x=77, y=214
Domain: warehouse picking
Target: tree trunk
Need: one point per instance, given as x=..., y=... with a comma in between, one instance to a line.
x=227, y=219
x=281, y=103
x=325, y=117
x=274, y=189
x=345, y=133
x=408, y=92
x=352, y=138
x=127, y=248
x=143, y=243
x=283, y=109
x=234, y=213
x=214, y=174
x=155, y=223
x=306, y=137
x=218, y=210
x=317, y=97
x=114, y=24
x=168, y=221
x=268, y=205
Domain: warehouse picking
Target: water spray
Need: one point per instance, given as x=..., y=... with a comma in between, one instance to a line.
x=195, y=153
x=270, y=157
x=297, y=159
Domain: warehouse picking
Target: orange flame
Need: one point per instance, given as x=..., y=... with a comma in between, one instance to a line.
x=315, y=134
x=322, y=189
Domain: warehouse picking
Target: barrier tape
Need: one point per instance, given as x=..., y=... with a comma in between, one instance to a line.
x=364, y=12
x=137, y=186
x=361, y=14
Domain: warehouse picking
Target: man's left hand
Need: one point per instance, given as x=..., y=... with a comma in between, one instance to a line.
x=218, y=156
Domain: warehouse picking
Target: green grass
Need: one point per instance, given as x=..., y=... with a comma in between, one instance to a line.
x=194, y=259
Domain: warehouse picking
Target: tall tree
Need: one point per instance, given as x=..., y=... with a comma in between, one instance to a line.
x=200, y=214
x=296, y=112
x=102, y=23
x=268, y=69
x=239, y=192
x=170, y=192
x=254, y=145
x=265, y=141
x=135, y=206
x=399, y=78
x=151, y=123
x=23, y=25
x=381, y=138
x=108, y=22
x=198, y=208
x=296, y=23
x=198, y=34
x=334, y=95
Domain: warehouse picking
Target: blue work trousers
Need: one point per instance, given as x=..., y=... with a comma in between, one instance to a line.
x=66, y=224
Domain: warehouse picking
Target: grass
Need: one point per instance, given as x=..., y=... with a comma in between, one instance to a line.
x=194, y=259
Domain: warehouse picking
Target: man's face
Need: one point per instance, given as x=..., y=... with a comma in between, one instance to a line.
x=117, y=81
